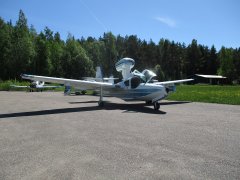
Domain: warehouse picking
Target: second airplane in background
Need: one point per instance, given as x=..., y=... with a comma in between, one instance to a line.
x=37, y=86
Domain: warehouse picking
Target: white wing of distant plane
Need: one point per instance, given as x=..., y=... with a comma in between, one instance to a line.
x=16, y=86
x=71, y=82
x=42, y=87
x=173, y=82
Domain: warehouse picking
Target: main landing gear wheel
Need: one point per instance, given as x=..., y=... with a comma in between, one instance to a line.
x=101, y=104
x=156, y=106
x=148, y=102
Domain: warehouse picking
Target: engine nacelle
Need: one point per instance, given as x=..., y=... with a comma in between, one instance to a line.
x=125, y=65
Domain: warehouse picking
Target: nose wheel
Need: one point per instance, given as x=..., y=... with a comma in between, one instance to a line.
x=156, y=106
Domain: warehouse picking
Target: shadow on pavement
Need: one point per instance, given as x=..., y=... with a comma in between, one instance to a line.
x=47, y=112
x=139, y=107
x=83, y=102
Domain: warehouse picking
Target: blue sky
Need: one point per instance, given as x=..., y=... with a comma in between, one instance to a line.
x=211, y=22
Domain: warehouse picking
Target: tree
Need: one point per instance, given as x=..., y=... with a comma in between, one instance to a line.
x=132, y=46
x=236, y=62
x=75, y=61
x=48, y=34
x=159, y=72
x=120, y=47
x=22, y=21
x=110, y=53
x=165, y=59
x=5, y=50
x=212, y=63
x=95, y=50
x=193, y=58
x=56, y=52
x=147, y=55
x=42, y=63
x=22, y=50
x=226, y=64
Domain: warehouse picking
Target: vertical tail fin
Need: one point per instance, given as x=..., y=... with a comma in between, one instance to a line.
x=98, y=73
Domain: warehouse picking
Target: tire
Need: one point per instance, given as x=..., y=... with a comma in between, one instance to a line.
x=156, y=106
x=77, y=93
x=148, y=102
x=101, y=104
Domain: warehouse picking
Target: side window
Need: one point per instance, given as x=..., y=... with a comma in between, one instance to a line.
x=135, y=81
x=126, y=83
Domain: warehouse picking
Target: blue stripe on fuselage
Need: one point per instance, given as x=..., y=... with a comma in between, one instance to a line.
x=132, y=93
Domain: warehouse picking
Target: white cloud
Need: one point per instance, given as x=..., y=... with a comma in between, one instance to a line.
x=166, y=20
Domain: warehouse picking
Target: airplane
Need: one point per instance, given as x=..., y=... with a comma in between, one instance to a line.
x=37, y=85
x=135, y=85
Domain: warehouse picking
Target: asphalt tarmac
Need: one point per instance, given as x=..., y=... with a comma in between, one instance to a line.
x=50, y=136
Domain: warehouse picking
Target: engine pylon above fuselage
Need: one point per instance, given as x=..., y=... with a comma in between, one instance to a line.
x=125, y=65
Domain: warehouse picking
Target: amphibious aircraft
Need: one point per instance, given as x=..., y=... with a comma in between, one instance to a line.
x=135, y=85
x=37, y=85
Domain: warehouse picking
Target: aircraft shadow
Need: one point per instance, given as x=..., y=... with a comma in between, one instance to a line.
x=174, y=102
x=141, y=108
x=83, y=102
x=50, y=111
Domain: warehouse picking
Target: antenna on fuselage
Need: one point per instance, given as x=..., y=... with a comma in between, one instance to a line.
x=125, y=65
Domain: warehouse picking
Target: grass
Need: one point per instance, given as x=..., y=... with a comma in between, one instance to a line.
x=6, y=85
x=207, y=93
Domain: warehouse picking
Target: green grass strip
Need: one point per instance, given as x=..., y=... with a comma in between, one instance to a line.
x=207, y=93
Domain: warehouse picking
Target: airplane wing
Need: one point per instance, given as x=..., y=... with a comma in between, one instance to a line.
x=70, y=82
x=51, y=86
x=173, y=82
x=16, y=86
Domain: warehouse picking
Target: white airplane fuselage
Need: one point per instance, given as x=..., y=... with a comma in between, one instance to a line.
x=144, y=92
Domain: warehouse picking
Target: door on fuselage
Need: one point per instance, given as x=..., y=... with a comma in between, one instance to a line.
x=133, y=82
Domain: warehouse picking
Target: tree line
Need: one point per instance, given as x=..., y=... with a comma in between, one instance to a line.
x=23, y=50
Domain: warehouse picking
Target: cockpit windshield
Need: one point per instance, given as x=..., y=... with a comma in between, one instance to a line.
x=140, y=75
x=149, y=75
x=145, y=76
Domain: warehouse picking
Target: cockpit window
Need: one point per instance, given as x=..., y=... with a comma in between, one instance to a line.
x=148, y=75
x=143, y=77
x=140, y=75
x=126, y=83
x=135, y=81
